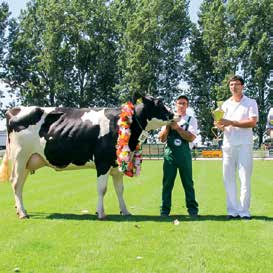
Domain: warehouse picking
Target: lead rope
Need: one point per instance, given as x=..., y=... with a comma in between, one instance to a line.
x=144, y=134
x=141, y=139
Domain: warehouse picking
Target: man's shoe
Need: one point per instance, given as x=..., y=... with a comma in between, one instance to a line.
x=164, y=213
x=231, y=217
x=246, y=217
x=193, y=215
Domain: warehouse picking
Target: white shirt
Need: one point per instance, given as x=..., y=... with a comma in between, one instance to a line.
x=244, y=109
x=192, y=125
x=269, y=124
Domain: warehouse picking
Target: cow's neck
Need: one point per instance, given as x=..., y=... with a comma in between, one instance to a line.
x=138, y=125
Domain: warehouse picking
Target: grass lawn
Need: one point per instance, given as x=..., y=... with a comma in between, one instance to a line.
x=59, y=237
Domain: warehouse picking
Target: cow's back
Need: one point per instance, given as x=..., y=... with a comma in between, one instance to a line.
x=66, y=135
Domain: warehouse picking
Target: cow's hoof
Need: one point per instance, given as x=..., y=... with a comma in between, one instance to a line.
x=25, y=216
x=102, y=218
x=126, y=213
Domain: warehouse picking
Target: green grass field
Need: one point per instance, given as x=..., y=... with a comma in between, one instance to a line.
x=60, y=238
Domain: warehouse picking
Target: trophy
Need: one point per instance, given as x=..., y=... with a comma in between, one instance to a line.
x=218, y=114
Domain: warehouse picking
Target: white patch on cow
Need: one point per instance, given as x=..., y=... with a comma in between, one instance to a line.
x=48, y=110
x=29, y=139
x=98, y=118
x=36, y=161
x=118, y=184
x=25, y=110
x=155, y=123
x=101, y=188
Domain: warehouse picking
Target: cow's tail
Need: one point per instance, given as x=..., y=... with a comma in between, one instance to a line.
x=5, y=167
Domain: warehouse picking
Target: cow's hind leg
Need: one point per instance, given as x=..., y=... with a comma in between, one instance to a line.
x=118, y=183
x=102, y=188
x=19, y=175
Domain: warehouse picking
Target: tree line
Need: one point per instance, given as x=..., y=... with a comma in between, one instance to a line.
x=86, y=53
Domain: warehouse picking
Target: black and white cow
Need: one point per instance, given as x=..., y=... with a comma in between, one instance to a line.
x=69, y=138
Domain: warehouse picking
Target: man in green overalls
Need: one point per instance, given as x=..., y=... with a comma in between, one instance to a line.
x=177, y=155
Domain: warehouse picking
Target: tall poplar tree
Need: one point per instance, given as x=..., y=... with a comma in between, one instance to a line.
x=231, y=37
x=64, y=53
x=207, y=63
x=152, y=44
x=4, y=19
x=252, y=33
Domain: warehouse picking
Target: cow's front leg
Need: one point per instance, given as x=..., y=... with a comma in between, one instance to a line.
x=102, y=188
x=118, y=183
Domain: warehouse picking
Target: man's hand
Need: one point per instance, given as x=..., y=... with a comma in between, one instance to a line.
x=247, y=123
x=188, y=136
x=174, y=126
x=223, y=122
x=219, y=125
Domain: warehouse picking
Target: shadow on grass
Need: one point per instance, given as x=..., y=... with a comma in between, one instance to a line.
x=137, y=218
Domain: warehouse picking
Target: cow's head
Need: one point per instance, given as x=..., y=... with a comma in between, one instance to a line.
x=152, y=112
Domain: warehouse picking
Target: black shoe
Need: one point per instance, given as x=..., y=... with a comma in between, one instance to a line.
x=164, y=214
x=246, y=217
x=193, y=215
x=231, y=217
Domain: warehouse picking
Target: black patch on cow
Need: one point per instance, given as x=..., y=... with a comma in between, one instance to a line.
x=69, y=139
x=18, y=124
x=50, y=118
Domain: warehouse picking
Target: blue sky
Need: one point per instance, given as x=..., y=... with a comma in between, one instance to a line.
x=17, y=5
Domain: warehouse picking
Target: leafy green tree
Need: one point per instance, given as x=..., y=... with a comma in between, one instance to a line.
x=85, y=53
x=207, y=64
x=4, y=15
x=152, y=44
x=253, y=31
x=231, y=38
x=198, y=67
x=64, y=53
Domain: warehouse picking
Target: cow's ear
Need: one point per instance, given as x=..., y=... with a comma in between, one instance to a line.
x=137, y=98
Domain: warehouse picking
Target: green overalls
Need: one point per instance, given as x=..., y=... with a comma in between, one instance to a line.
x=177, y=155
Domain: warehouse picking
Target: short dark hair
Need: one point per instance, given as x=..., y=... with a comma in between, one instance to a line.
x=182, y=97
x=236, y=78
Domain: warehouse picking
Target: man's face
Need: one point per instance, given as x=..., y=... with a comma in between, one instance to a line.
x=236, y=88
x=181, y=106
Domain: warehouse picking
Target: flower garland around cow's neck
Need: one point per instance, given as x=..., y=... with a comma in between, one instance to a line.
x=129, y=162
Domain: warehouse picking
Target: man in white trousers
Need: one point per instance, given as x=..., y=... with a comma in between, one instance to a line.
x=241, y=115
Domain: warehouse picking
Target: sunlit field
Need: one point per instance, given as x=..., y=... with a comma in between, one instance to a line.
x=64, y=235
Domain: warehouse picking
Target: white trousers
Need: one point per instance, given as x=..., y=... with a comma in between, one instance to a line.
x=239, y=158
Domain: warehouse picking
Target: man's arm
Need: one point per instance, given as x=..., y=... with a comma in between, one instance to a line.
x=188, y=136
